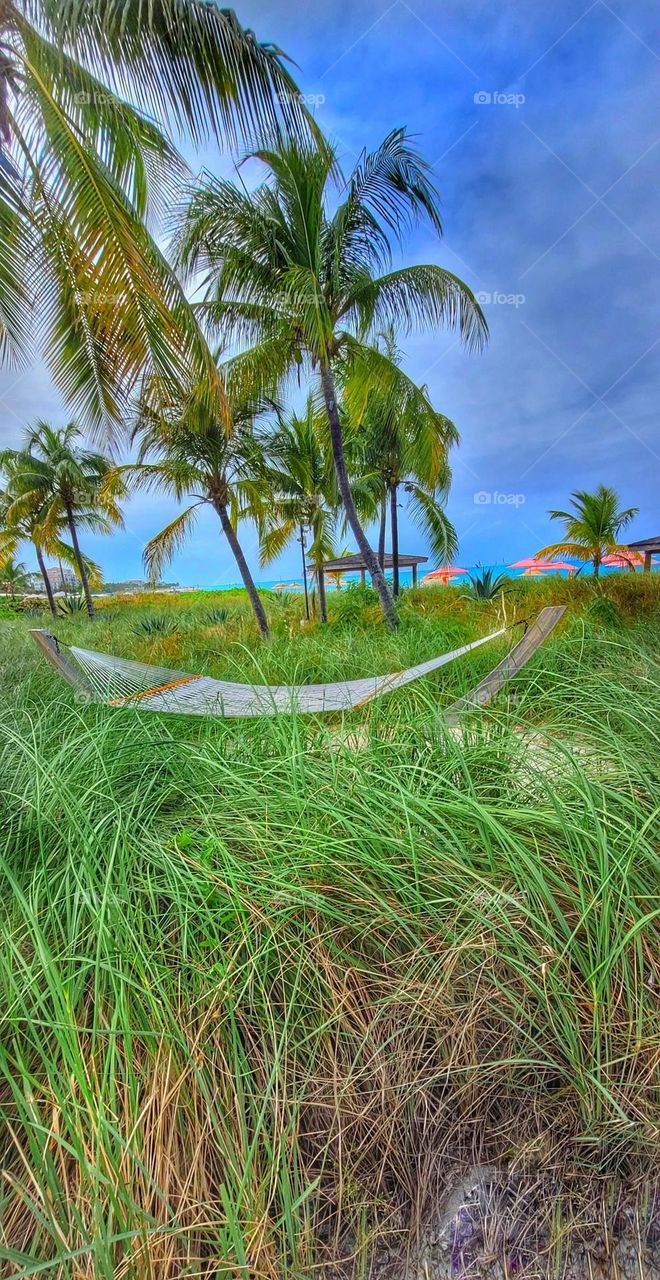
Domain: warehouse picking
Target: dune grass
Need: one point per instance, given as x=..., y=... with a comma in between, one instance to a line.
x=262, y=988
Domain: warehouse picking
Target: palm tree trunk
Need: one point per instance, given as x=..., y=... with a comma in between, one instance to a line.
x=394, y=521
x=323, y=604
x=381, y=532
x=84, y=580
x=49, y=589
x=369, y=557
x=304, y=569
x=596, y=566
x=243, y=568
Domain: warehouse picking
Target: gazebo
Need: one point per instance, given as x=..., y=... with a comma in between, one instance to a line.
x=648, y=547
x=355, y=564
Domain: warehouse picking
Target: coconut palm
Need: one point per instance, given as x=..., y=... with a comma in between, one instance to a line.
x=300, y=496
x=301, y=283
x=81, y=168
x=61, y=483
x=592, y=528
x=14, y=578
x=189, y=453
x=27, y=527
x=406, y=445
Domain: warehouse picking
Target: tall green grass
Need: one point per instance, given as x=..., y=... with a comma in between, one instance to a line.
x=263, y=981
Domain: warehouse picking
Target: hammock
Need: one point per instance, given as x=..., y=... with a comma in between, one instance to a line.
x=121, y=682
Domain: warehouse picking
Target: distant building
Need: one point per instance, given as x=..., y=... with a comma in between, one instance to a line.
x=62, y=579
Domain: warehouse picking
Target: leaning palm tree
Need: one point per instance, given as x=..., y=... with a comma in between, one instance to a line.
x=300, y=497
x=56, y=478
x=189, y=453
x=301, y=283
x=406, y=444
x=81, y=169
x=592, y=528
x=27, y=527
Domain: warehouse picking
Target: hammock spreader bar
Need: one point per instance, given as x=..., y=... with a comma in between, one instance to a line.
x=122, y=682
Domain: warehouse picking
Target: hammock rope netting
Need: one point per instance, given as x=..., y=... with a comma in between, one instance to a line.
x=123, y=682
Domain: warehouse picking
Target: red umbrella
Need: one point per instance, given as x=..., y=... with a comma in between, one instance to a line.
x=623, y=562
x=443, y=574
x=532, y=562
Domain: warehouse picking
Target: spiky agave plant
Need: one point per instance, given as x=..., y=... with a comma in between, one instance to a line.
x=156, y=625
x=487, y=585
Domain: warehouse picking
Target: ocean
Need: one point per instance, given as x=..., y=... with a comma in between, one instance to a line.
x=294, y=583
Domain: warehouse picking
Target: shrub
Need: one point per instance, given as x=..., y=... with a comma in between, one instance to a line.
x=351, y=603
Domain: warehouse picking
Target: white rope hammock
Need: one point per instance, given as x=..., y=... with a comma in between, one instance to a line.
x=121, y=682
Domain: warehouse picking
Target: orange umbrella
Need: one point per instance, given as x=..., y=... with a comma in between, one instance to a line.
x=443, y=574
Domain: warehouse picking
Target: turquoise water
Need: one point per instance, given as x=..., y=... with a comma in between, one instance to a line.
x=405, y=577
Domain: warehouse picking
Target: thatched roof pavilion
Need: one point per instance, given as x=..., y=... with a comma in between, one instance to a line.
x=648, y=547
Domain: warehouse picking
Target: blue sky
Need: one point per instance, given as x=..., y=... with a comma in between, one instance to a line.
x=542, y=126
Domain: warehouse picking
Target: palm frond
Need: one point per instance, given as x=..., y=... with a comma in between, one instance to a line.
x=420, y=296
x=394, y=181
x=189, y=58
x=429, y=516
x=164, y=545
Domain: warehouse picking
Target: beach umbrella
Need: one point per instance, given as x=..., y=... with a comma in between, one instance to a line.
x=443, y=574
x=549, y=566
x=623, y=562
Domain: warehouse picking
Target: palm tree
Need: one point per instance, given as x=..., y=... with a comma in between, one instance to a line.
x=54, y=478
x=407, y=443
x=81, y=169
x=302, y=283
x=592, y=528
x=300, y=497
x=27, y=528
x=194, y=455
x=14, y=578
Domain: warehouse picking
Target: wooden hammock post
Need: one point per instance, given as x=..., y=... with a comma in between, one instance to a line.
x=51, y=650
x=514, y=662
